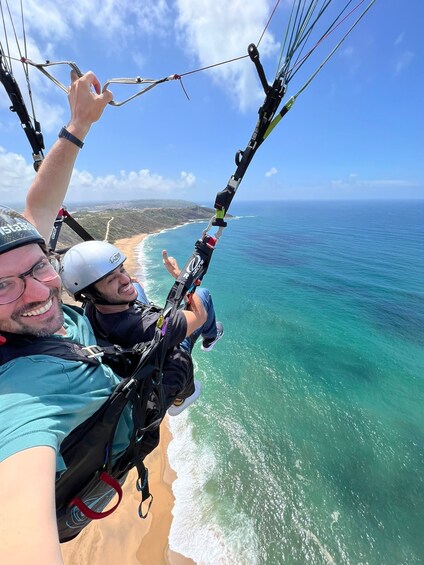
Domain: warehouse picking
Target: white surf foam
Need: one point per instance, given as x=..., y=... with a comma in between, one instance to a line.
x=195, y=530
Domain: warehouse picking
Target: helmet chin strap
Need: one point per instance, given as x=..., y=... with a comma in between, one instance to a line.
x=91, y=294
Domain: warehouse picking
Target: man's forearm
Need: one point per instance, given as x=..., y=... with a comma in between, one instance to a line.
x=195, y=314
x=48, y=190
x=50, y=185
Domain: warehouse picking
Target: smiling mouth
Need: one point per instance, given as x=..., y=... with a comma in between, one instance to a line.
x=127, y=288
x=39, y=311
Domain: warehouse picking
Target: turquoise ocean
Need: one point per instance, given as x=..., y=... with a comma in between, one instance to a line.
x=306, y=445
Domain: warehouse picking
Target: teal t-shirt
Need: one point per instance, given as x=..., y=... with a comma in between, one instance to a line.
x=43, y=398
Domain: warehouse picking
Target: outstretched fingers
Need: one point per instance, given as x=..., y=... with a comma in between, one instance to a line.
x=171, y=264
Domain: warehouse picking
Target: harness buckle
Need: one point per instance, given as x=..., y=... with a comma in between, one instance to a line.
x=93, y=351
x=140, y=348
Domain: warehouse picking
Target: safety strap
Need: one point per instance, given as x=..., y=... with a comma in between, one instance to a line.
x=92, y=514
x=13, y=346
x=32, y=131
x=196, y=267
x=89, y=447
x=64, y=216
x=142, y=486
x=273, y=95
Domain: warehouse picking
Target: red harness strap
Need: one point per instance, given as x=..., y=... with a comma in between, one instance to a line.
x=88, y=512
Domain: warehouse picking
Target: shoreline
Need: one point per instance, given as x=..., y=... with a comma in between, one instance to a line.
x=123, y=537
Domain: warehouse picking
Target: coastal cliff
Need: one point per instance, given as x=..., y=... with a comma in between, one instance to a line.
x=118, y=221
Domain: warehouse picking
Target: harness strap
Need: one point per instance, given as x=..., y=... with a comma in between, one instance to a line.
x=142, y=486
x=13, y=346
x=87, y=450
x=92, y=514
x=32, y=131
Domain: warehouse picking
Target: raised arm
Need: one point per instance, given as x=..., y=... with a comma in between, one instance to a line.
x=48, y=190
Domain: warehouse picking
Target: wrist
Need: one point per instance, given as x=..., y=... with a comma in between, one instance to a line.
x=78, y=130
x=65, y=134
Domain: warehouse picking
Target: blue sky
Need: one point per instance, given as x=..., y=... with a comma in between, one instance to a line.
x=356, y=132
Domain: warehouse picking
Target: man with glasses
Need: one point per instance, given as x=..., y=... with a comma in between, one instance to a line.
x=44, y=397
x=12, y=288
x=32, y=422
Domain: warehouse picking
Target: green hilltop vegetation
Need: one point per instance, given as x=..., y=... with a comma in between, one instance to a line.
x=141, y=203
x=119, y=220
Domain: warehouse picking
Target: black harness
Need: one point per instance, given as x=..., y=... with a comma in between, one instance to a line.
x=32, y=130
x=92, y=478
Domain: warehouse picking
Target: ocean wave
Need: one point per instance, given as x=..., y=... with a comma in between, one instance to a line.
x=304, y=444
x=195, y=531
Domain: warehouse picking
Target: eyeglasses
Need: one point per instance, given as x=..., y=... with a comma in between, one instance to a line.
x=12, y=288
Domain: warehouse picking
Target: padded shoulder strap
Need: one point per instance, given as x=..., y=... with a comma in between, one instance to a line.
x=14, y=346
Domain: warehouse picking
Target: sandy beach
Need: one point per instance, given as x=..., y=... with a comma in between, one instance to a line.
x=123, y=537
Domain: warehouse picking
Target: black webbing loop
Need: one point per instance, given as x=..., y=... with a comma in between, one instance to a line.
x=65, y=217
x=273, y=97
x=32, y=131
x=142, y=486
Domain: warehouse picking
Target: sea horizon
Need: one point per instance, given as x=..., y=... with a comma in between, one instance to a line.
x=19, y=205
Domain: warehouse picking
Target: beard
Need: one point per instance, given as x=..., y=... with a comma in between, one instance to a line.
x=46, y=328
x=126, y=299
x=113, y=299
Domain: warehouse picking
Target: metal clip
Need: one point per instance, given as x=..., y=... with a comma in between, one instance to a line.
x=93, y=351
x=140, y=348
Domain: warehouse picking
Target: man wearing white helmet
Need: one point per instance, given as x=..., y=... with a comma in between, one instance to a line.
x=94, y=272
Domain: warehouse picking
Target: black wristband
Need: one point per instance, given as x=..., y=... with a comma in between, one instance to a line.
x=65, y=134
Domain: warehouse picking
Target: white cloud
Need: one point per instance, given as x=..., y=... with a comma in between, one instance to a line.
x=351, y=60
x=273, y=171
x=399, y=39
x=403, y=61
x=139, y=59
x=353, y=181
x=131, y=185
x=187, y=179
x=55, y=20
x=222, y=30
x=16, y=176
x=347, y=52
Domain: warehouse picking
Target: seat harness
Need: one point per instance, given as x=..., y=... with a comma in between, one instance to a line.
x=92, y=477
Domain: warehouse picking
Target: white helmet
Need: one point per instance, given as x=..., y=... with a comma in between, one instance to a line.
x=86, y=263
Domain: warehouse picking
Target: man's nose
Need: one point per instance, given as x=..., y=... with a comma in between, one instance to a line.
x=35, y=291
x=124, y=278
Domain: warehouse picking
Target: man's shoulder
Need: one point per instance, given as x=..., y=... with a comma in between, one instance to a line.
x=126, y=328
x=77, y=325
x=134, y=315
x=73, y=312
x=75, y=316
x=23, y=372
x=88, y=310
